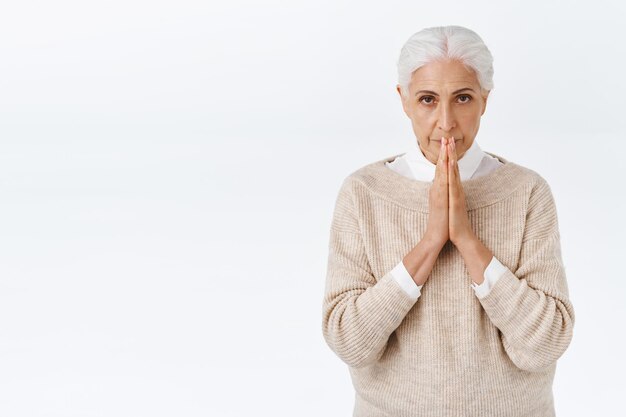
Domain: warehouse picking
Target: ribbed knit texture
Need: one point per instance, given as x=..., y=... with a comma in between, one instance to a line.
x=449, y=353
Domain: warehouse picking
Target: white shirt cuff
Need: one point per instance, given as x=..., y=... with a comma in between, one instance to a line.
x=404, y=279
x=493, y=272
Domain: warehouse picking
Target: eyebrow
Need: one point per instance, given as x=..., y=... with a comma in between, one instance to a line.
x=454, y=92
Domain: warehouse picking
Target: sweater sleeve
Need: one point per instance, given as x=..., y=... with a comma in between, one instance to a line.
x=531, y=306
x=402, y=277
x=493, y=272
x=359, y=311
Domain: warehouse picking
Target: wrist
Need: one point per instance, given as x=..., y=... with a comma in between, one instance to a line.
x=433, y=242
x=467, y=240
x=467, y=245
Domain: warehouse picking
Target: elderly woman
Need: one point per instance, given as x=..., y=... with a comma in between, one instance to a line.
x=446, y=292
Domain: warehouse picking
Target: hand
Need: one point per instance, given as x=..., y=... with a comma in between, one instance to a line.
x=460, y=227
x=437, y=229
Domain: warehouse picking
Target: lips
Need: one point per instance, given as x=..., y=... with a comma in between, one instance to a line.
x=439, y=140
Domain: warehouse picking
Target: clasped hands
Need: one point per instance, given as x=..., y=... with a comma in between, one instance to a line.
x=448, y=213
x=448, y=218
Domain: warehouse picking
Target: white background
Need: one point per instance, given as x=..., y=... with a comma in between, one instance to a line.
x=168, y=172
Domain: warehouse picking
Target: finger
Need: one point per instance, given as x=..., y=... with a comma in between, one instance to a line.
x=453, y=170
x=456, y=164
x=440, y=167
x=449, y=163
x=452, y=158
x=454, y=155
x=457, y=174
x=450, y=178
x=437, y=167
x=445, y=162
x=455, y=177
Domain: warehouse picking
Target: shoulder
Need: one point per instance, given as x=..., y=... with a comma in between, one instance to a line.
x=364, y=176
x=534, y=181
x=533, y=178
x=541, y=210
x=526, y=177
x=351, y=191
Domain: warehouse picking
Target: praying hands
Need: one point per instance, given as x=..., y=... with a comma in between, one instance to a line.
x=447, y=220
x=475, y=254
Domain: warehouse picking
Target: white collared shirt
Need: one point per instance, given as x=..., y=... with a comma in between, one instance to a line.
x=474, y=163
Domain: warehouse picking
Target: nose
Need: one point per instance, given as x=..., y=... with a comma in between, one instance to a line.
x=447, y=121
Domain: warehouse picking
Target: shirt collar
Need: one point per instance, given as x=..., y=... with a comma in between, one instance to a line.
x=424, y=170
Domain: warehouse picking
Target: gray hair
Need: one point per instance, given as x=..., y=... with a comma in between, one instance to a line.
x=441, y=43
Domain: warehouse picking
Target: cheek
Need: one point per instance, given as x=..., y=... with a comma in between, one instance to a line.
x=424, y=118
x=470, y=117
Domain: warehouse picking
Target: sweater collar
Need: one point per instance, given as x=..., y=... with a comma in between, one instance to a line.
x=414, y=194
x=424, y=170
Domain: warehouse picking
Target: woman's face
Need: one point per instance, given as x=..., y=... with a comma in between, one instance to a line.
x=444, y=100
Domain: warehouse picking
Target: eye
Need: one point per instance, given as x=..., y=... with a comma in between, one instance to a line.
x=465, y=98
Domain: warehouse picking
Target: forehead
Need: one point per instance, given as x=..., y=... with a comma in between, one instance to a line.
x=444, y=74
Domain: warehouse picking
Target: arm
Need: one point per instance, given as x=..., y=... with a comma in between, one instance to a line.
x=492, y=273
x=406, y=281
x=530, y=306
x=413, y=271
x=359, y=312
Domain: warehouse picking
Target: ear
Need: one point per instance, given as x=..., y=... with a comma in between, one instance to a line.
x=404, y=104
x=485, y=97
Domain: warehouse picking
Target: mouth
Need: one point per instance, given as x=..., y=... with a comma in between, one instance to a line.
x=439, y=140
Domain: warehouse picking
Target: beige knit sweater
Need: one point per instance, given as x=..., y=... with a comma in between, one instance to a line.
x=449, y=353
